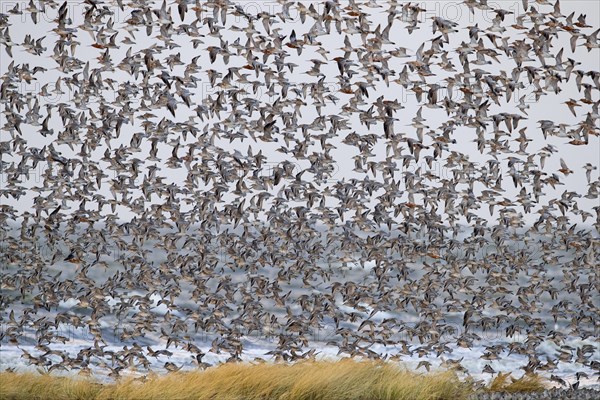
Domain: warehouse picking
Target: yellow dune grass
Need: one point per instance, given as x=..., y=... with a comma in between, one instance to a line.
x=326, y=380
x=34, y=386
x=526, y=383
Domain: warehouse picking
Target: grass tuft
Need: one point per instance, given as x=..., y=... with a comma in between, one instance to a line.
x=310, y=380
x=526, y=384
x=32, y=386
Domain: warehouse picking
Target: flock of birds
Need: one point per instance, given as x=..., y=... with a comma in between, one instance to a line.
x=190, y=180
